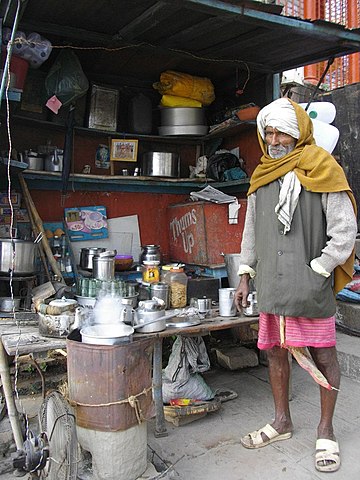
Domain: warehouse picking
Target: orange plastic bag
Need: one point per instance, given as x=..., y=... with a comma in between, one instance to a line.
x=185, y=85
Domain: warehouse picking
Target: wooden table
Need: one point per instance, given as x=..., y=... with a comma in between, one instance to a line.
x=23, y=338
x=207, y=326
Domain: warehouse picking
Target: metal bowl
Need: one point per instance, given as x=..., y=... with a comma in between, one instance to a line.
x=107, y=334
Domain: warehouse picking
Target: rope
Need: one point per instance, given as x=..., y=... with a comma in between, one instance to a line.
x=132, y=400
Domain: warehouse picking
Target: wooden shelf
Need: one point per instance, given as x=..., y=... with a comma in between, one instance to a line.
x=174, y=139
x=78, y=181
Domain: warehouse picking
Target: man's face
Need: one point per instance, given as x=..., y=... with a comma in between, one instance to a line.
x=279, y=143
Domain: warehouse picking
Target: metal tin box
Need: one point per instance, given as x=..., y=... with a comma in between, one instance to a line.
x=200, y=232
x=103, y=108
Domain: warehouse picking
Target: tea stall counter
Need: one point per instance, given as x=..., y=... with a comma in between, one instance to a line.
x=23, y=338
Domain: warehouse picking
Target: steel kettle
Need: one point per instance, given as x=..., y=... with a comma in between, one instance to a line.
x=54, y=161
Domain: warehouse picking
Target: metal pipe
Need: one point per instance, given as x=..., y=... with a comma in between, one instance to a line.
x=9, y=398
x=9, y=51
x=160, y=428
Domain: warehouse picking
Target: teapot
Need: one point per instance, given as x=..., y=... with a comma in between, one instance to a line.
x=54, y=161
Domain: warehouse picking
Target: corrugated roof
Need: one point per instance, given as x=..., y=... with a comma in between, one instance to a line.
x=201, y=37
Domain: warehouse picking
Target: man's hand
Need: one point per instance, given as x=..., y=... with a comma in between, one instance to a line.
x=242, y=292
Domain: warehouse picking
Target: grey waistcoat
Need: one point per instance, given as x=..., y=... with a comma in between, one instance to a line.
x=285, y=282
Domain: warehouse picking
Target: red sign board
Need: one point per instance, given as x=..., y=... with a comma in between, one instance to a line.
x=200, y=232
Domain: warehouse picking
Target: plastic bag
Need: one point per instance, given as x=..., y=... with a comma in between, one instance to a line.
x=219, y=163
x=66, y=79
x=185, y=85
x=181, y=377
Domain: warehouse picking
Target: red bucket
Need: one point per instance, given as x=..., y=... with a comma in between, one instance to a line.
x=19, y=67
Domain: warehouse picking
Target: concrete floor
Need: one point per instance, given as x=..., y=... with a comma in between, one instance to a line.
x=209, y=448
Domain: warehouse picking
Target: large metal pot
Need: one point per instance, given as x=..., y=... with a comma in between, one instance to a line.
x=24, y=260
x=161, y=164
x=86, y=257
x=182, y=116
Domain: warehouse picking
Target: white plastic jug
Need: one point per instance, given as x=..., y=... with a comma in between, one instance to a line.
x=322, y=111
x=325, y=135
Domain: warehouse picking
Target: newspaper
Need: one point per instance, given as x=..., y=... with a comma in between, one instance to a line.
x=212, y=194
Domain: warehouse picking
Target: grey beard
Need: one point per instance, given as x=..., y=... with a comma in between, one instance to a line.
x=280, y=151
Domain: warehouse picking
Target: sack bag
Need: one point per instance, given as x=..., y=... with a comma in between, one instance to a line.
x=181, y=377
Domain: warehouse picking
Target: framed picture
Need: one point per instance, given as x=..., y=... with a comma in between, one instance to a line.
x=123, y=150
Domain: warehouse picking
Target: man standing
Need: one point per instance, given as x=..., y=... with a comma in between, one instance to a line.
x=298, y=242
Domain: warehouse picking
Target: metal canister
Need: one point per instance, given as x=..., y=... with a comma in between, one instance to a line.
x=104, y=265
x=150, y=253
x=161, y=290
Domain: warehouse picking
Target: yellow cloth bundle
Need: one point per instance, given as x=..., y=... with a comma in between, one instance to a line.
x=185, y=85
x=174, y=101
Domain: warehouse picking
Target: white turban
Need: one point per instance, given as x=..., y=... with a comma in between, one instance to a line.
x=279, y=114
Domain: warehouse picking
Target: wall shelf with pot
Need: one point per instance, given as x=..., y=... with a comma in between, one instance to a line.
x=47, y=180
x=117, y=183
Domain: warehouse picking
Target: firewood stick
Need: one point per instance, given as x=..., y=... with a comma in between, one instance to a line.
x=39, y=224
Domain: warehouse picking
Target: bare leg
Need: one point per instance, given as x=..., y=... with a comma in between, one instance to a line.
x=326, y=361
x=279, y=372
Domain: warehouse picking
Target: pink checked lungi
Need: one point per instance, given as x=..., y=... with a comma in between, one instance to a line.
x=299, y=331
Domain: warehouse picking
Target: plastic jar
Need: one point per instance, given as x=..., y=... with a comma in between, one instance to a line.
x=166, y=269
x=151, y=272
x=177, y=280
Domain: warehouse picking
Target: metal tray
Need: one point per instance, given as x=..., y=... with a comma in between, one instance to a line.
x=182, y=323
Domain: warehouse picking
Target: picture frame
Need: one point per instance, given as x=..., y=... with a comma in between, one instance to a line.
x=123, y=150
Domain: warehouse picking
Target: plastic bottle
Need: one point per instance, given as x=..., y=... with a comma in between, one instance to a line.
x=177, y=280
x=68, y=266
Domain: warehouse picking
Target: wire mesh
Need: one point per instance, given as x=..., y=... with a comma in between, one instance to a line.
x=344, y=70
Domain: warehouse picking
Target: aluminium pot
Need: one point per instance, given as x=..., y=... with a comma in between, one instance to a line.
x=172, y=116
x=8, y=304
x=104, y=265
x=24, y=259
x=86, y=257
x=161, y=164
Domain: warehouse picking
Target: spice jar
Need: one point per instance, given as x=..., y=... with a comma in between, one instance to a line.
x=151, y=272
x=177, y=280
